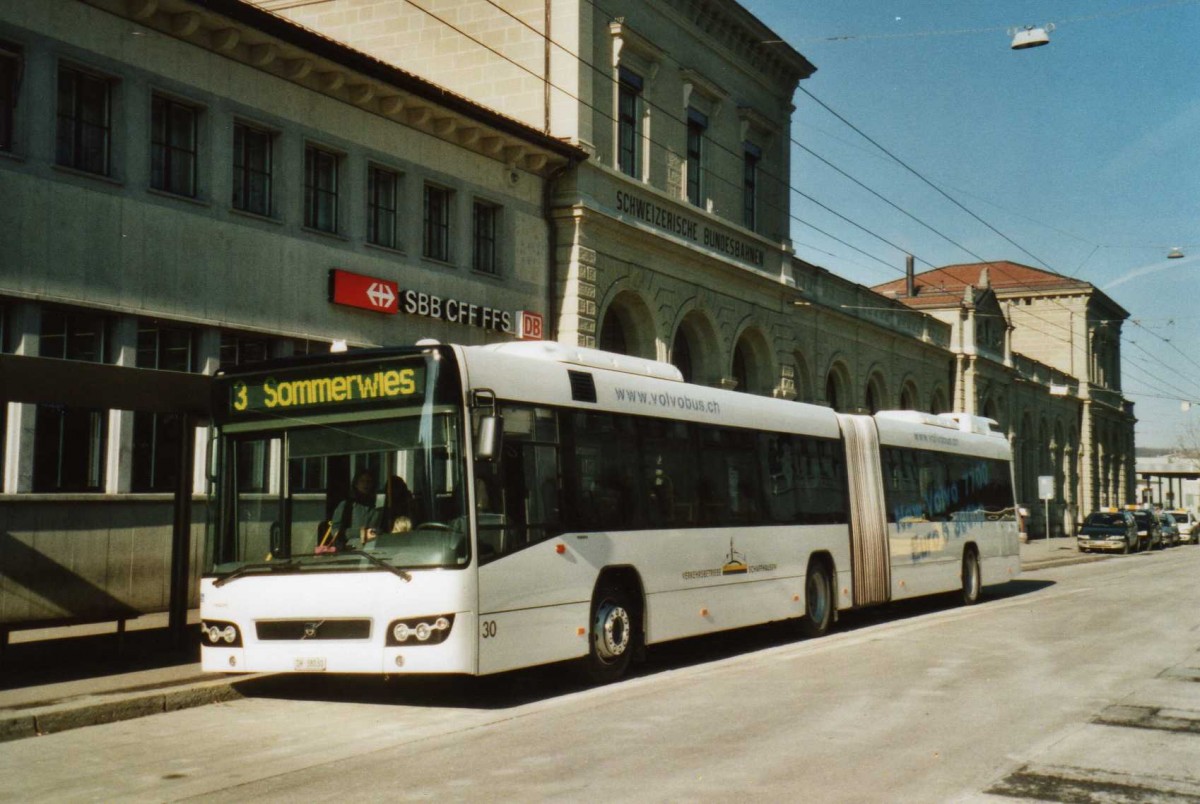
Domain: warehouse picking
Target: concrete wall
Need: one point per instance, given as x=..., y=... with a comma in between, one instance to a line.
x=68, y=557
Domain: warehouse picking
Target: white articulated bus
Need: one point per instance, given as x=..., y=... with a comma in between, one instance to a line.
x=449, y=509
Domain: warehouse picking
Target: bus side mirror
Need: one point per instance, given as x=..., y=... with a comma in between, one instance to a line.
x=489, y=440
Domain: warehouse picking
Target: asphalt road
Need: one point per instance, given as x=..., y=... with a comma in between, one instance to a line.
x=1076, y=683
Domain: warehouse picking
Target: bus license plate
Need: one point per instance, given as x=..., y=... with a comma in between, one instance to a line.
x=309, y=664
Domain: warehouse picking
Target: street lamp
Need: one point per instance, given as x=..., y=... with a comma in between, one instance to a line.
x=1175, y=254
x=1030, y=36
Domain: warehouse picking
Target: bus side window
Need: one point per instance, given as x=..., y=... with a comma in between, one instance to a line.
x=530, y=476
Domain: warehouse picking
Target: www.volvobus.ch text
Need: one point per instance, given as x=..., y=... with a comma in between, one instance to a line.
x=668, y=401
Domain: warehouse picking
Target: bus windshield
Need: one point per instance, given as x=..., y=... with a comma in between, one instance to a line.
x=342, y=492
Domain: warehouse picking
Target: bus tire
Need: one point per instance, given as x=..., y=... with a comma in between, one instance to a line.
x=972, y=577
x=612, y=635
x=818, y=600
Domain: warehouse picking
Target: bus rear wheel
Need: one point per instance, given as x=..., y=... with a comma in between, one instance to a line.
x=972, y=578
x=612, y=637
x=818, y=600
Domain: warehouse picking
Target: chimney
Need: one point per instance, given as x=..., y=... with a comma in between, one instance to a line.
x=910, y=282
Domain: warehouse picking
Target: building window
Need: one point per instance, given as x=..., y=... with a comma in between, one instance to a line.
x=69, y=442
x=697, y=123
x=72, y=336
x=437, y=223
x=382, y=190
x=629, y=123
x=238, y=349
x=10, y=81
x=305, y=346
x=752, y=155
x=84, y=121
x=485, y=217
x=252, y=168
x=158, y=437
x=172, y=147
x=165, y=348
x=320, y=189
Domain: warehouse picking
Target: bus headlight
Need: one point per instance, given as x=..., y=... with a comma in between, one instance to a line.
x=221, y=634
x=424, y=630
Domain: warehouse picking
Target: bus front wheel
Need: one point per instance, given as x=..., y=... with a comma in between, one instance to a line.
x=613, y=635
x=818, y=600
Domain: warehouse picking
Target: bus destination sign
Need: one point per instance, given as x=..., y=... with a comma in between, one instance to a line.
x=330, y=388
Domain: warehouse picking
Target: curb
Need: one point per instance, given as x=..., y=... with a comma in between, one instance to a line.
x=59, y=716
x=1062, y=561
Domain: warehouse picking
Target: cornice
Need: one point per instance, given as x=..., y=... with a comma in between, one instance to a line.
x=279, y=47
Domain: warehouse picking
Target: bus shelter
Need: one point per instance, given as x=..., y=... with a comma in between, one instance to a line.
x=69, y=383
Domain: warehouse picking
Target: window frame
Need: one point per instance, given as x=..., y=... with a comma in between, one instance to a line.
x=435, y=239
x=630, y=91
x=233, y=344
x=485, y=230
x=170, y=150
x=12, y=67
x=244, y=173
x=697, y=125
x=321, y=188
x=71, y=126
x=751, y=160
x=80, y=435
x=377, y=212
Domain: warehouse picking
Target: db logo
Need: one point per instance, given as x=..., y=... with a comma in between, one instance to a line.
x=532, y=326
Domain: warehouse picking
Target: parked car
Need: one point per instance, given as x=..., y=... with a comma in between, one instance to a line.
x=1109, y=531
x=1186, y=521
x=1149, y=535
x=1169, y=530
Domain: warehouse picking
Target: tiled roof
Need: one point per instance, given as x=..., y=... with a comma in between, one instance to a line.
x=942, y=286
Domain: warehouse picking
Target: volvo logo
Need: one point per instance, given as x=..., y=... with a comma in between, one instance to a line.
x=310, y=630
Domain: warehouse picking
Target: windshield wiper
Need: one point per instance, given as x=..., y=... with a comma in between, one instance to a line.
x=246, y=569
x=379, y=562
x=274, y=566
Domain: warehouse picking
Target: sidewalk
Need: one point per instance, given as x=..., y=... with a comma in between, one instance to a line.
x=57, y=679
x=66, y=678
x=1042, y=553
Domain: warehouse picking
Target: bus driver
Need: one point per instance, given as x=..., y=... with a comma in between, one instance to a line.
x=356, y=520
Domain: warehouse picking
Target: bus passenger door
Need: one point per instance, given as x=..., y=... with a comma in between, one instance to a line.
x=869, y=552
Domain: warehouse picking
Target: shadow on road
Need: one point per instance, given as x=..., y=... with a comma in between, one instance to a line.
x=507, y=690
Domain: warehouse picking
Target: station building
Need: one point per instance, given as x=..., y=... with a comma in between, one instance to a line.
x=186, y=185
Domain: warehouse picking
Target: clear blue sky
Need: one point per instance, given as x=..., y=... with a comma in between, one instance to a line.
x=1085, y=153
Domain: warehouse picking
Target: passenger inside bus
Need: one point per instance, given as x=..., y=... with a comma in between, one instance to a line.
x=397, y=513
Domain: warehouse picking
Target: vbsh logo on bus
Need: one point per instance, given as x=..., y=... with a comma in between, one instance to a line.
x=336, y=389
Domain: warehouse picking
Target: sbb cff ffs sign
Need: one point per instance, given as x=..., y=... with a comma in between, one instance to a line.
x=364, y=292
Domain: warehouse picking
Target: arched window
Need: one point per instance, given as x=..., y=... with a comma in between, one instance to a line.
x=739, y=370
x=831, y=392
x=681, y=355
x=612, y=333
